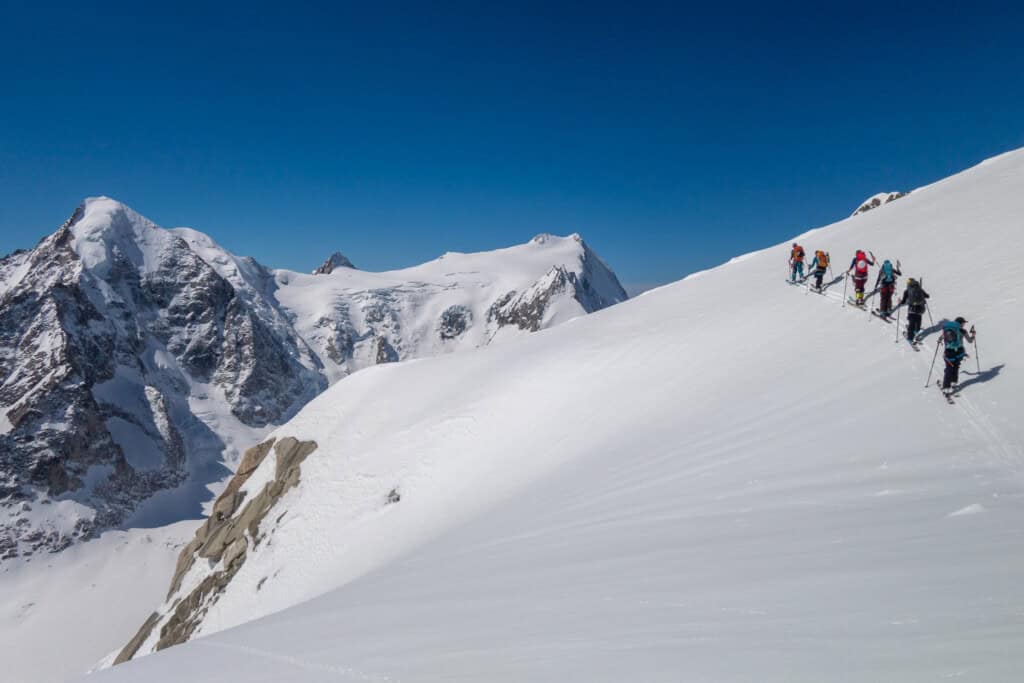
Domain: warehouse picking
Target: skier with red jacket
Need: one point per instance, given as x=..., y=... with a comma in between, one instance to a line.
x=859, y=267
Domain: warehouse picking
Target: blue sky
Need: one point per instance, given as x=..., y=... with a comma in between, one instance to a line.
x=672, y=137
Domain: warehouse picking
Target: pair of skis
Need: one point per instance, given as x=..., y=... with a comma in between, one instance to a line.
x=948, y=395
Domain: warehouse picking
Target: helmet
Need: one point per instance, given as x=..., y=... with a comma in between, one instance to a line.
x=960, y=320
x=911, y=281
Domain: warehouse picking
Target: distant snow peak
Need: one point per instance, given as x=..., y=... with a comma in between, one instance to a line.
x=878, y=200
x=336, y=260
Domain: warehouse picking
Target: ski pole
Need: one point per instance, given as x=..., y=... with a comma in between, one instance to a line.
x=977, y=358
x=928, y=310
x=897, y=341
x=929, y=380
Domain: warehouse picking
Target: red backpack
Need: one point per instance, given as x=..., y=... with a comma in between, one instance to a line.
x=861, y=265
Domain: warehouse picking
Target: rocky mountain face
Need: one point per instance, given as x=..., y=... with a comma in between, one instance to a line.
x=878, y=200
x=136, y=360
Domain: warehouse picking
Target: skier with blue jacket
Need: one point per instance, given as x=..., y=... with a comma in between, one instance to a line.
x=953, y=336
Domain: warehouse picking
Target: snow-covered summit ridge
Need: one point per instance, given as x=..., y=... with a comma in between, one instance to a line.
x=726, y=464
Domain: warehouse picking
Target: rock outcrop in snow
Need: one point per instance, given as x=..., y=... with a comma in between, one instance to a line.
x=135, y=359
x=878, y=200
x=223, y=542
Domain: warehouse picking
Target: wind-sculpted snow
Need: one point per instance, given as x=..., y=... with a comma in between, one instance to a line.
x=137, y=361
x=725, y=479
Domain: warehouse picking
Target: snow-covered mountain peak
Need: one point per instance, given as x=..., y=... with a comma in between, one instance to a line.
x=106, y=231
x=335, y=260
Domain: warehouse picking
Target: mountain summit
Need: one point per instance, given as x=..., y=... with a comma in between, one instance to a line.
x=137, y=360
x=336, y=260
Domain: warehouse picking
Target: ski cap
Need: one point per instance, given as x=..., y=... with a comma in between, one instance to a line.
x=960, y=320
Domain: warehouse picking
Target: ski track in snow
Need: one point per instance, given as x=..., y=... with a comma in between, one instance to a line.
x=1000, y=445
x=339, y=672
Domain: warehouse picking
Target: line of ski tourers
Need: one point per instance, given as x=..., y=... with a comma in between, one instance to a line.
x=954, y=334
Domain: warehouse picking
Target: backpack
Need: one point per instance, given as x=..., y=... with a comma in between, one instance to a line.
x=822, y=258
x=916, y=296
x=798, y=253
x=887, y=276
x=952, y=335
x=861, y=265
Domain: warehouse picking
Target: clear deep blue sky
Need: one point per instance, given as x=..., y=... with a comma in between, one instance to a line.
x=672, y=137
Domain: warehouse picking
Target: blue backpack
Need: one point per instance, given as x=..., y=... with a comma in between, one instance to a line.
x=952, y=336
x=887, y=276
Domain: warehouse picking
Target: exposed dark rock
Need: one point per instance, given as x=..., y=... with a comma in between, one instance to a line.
x=385, y=351
x=455, y=321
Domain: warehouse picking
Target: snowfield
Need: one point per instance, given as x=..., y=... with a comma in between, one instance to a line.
x=724, y=479
x=58, y=611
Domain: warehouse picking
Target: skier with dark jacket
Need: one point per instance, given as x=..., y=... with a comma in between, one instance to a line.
x=885, y=283
x=820, y=264
x=916, y=299
x=859, y=268
x=953, y=336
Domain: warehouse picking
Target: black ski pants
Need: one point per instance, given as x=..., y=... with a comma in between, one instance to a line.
x=818, y=274
x=952, y=374
x=913, y=325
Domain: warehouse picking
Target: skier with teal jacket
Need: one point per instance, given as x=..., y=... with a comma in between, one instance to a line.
x=885, y=283
x=953, y=336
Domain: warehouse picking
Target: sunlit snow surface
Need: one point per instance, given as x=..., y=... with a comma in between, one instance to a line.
x=726, y=479
x=57, y=611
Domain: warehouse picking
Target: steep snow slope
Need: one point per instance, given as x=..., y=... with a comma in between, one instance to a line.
x=723, y=479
